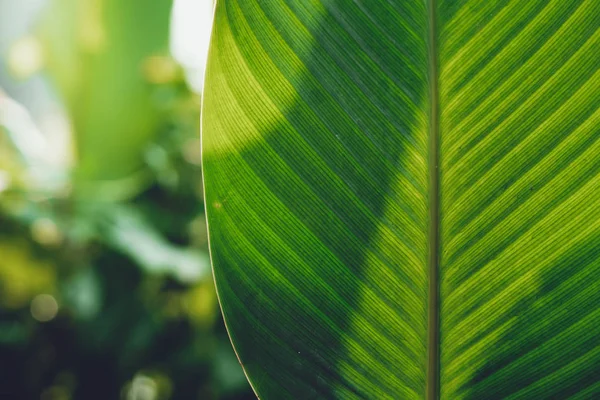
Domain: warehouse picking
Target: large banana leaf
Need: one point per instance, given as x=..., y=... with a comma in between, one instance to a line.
x=404, y=196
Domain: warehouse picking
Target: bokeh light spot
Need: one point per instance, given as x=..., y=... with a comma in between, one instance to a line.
x=44, y=307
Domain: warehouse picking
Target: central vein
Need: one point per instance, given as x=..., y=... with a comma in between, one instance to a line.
x=433, y=365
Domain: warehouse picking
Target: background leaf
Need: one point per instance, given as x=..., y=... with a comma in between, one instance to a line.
x=105, y=56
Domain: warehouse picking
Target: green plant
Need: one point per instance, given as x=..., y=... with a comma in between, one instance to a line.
x=106, y=62
x=403, y=196
x=105, y=286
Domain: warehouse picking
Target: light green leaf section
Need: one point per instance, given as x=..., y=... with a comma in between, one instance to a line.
x=101, y=55
x=520, y=199
x=332, y=132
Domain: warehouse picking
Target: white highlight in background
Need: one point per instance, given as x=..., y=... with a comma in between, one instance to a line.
x=191, y=22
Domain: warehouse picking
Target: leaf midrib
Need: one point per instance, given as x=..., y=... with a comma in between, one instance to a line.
x=433, y=340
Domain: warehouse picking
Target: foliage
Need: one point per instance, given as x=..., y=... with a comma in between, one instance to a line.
x=403, y=196
x=105, y=286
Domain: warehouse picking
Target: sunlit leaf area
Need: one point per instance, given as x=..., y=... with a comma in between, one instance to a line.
x=403, y=196
x=105, y=282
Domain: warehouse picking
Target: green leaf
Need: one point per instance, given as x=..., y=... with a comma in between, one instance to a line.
x=403, y=197
x=103, y=57
x=128, y=231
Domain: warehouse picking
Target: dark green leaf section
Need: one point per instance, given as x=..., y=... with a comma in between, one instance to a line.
x=315, y=158
x=520, y=193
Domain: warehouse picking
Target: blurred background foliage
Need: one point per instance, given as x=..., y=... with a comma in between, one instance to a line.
x=105, y=286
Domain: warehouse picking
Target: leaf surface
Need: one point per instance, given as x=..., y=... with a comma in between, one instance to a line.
x=403, y=197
